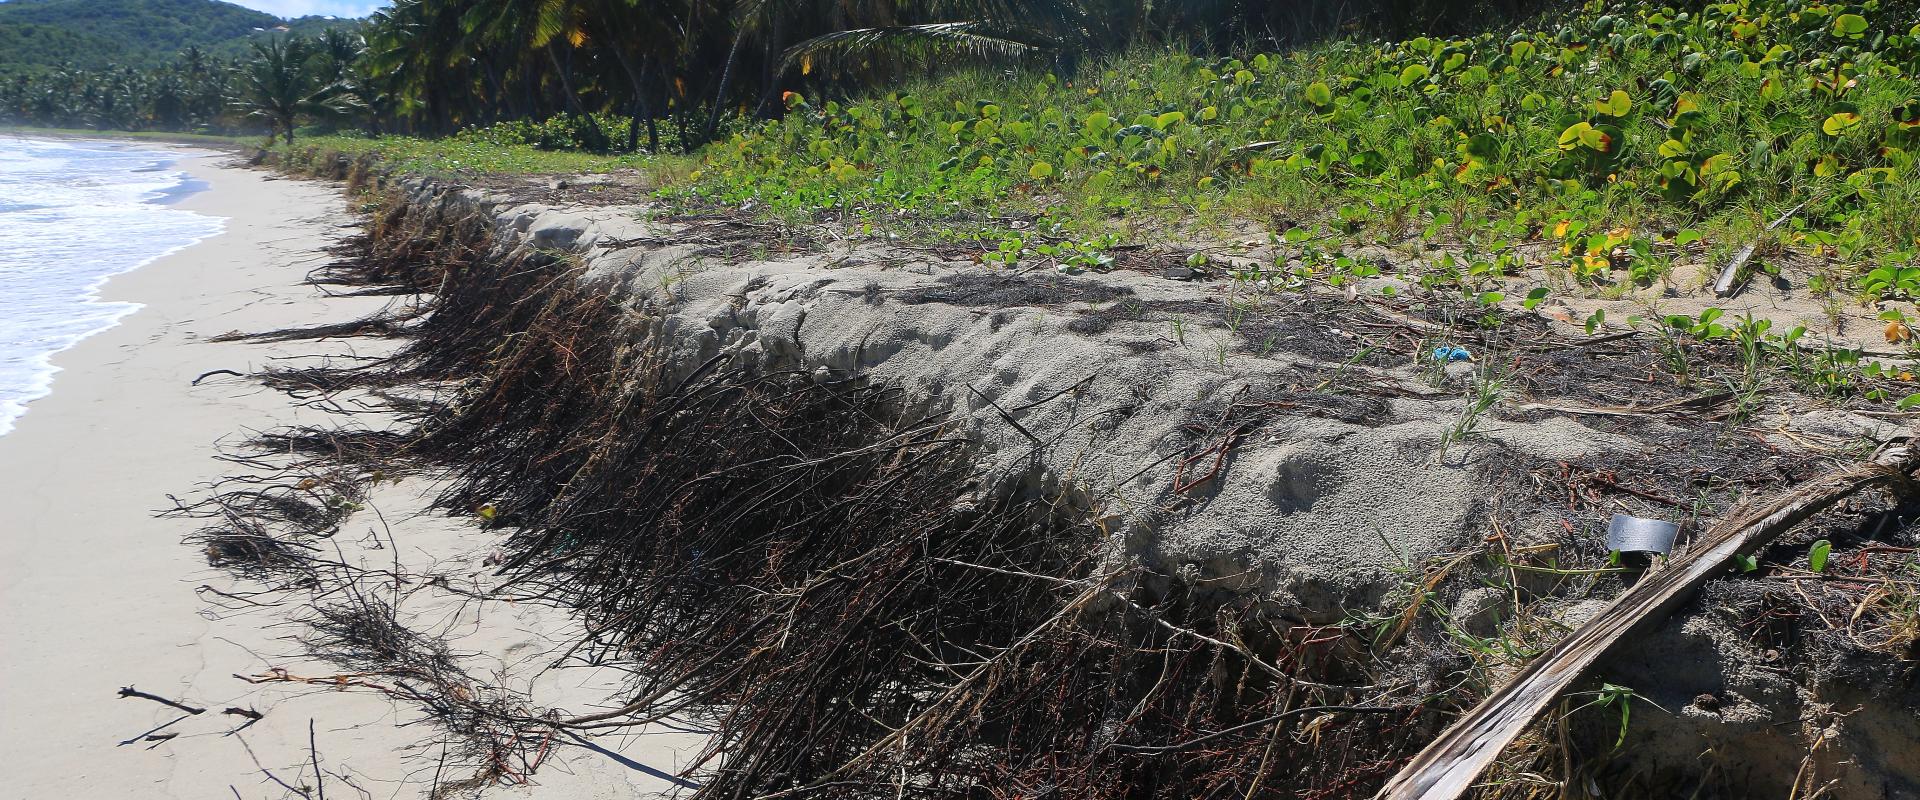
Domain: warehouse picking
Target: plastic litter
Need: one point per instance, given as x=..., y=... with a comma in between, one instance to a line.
x=1641, y=535
x=1448, y=354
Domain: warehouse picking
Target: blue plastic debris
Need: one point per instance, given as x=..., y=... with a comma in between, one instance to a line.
x=1449, y=354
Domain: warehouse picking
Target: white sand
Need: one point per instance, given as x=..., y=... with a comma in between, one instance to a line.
x=97, y=593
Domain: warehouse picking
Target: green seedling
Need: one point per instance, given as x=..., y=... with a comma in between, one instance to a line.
x=1817, y=556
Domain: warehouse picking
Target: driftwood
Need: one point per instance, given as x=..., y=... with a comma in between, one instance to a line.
x=1448, y=765
x=1731, y=274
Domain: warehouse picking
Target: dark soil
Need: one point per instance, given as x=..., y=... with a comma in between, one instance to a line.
x=976, y=290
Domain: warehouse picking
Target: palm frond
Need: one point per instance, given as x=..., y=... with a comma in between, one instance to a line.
x=947, y=37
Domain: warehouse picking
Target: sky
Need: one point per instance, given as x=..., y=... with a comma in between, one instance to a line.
x=303, y=8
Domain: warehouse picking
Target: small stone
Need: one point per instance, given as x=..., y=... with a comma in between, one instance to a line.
x=557, y=184
x=1177, y=274
x=1707, y=702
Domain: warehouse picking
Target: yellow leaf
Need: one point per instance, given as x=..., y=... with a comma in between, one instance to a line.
x=1616, y=104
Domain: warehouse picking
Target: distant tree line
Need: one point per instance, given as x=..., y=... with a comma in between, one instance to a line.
x=660, y=74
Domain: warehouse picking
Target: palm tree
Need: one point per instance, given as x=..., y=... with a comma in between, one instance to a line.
x=280, y=87
x=424, y=58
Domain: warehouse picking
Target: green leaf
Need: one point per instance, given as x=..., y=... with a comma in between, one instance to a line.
x=1908, y=402
x=1096, y=123
x=1414, y=73
x=1817, y=557
x=1852, y=26
x=1584, y=134
x=1040, y=171
x=1534, y=298
x=1840, y=123
x=1368, y=162
x=1320, y=95
x=1615, y=105
x=1484, y=146
x=1686, y=237
x=1570, y=138
x=1168, y=120
x=1746, y=563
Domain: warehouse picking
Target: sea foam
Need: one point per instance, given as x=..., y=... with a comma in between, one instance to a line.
x=72, y=215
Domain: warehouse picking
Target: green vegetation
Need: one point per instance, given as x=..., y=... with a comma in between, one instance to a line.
x=1605, y=145
x=317, y=79
x=1624, y=137
x=465, y=155
x=93, y=35
x=688, y=69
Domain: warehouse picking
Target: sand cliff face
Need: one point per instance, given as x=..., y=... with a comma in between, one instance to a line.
x=1329, y=481
x=1268, y=500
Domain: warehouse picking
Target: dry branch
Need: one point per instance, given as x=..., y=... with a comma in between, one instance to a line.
x=1448, y=766
x=1731, y=274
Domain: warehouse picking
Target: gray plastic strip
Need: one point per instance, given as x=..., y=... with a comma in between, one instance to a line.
x=1641, y=535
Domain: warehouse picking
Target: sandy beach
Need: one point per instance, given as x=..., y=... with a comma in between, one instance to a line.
x=100, y=594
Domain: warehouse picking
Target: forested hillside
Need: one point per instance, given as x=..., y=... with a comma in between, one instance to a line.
x=93, y=34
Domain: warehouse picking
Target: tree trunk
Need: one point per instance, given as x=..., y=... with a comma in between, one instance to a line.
x=772, y=78
x=720, y=94
x=573, y=100
x=637, y=79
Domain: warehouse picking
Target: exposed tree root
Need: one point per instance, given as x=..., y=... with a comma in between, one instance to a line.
x=818, y=571
x=379, y=325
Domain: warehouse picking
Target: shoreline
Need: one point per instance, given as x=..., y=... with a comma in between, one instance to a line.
x=43, y=368
x=102, y=594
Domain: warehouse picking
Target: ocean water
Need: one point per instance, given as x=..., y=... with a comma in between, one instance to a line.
x=72, y=215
